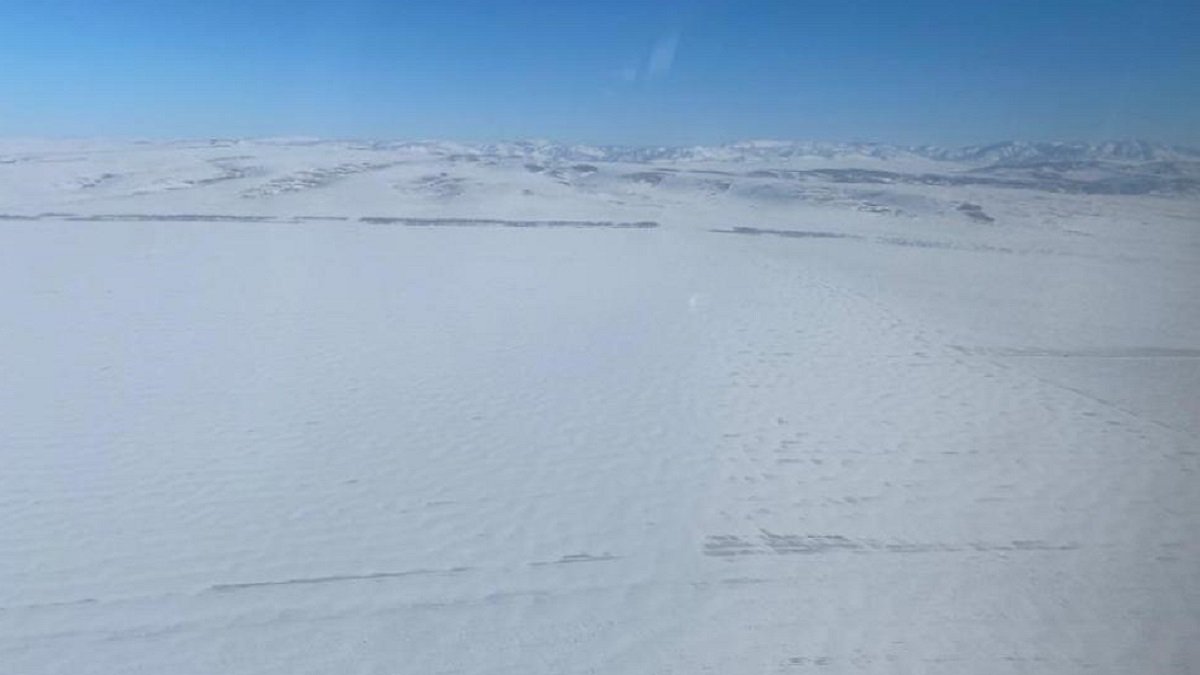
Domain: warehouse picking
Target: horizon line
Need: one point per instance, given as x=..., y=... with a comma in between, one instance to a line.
x=569, y=143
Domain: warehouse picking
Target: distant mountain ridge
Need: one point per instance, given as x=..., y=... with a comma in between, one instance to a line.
x=1006, y=153
x=1022, y=152
x=1117, y=167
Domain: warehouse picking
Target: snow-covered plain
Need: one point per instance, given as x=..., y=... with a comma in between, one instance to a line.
x=288, y=406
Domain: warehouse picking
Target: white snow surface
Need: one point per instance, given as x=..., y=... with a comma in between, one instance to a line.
x=296, y=406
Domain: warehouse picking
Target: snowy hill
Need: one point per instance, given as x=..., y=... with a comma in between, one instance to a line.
x=296, y=405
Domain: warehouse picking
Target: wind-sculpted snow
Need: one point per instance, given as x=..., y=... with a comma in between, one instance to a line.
x=306, y=406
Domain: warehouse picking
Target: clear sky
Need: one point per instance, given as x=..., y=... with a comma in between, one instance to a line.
x=605, y=71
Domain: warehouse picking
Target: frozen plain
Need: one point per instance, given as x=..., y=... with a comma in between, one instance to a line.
x=287, y=406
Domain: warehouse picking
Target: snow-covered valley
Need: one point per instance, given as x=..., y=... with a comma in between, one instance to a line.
x=295, y=406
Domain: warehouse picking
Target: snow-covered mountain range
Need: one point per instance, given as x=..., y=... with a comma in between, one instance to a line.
x=545, y=179
x=1006, y=152
x=1108, y=167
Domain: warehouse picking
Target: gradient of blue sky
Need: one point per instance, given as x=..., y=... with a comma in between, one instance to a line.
x=604, y=71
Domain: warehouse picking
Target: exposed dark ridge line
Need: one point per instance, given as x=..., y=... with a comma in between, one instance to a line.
x=576, y=558
x=173, y=218
x=494, y=222
x=796, y=234
x=906, y=242
x=300, y=581
x=1127, y=182
x=1096, y=353
x=766, y=543
x=51, y=605
x=371, y=220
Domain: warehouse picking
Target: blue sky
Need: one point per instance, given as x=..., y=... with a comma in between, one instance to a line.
x=608, y=71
